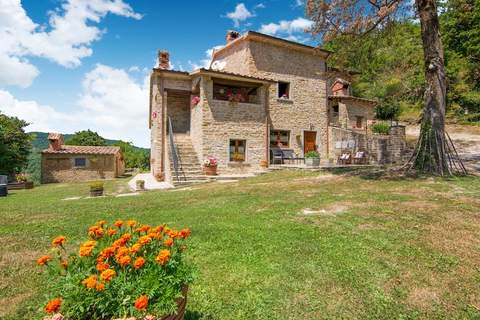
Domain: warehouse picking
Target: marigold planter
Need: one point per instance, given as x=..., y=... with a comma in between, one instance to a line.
x=96, y=192
x=210, y=170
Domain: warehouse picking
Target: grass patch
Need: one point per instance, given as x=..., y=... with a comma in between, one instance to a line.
x=286, y=245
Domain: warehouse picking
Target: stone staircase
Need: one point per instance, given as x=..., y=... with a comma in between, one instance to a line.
x=190, y=169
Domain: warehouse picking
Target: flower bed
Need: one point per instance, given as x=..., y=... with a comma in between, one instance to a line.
x=123, y=270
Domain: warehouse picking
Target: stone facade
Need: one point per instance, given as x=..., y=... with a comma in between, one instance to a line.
x=61, y=168
x=294, y=96
x=65, y=163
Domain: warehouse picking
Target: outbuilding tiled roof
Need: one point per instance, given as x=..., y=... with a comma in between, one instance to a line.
x=83, y=150
x=351, y=98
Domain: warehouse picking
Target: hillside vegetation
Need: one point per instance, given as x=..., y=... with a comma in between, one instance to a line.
x=391, y=63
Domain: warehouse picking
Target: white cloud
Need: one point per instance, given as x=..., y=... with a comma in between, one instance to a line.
x=287, y=28
x=66, y=39
x=299, y=3
x=260, y=6
x=204, y=63
x=240, y=14
x=111, y=103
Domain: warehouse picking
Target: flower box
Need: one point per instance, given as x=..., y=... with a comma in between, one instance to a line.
x=123, y=271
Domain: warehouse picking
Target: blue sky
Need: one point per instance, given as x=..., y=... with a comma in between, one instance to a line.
x=68, y=65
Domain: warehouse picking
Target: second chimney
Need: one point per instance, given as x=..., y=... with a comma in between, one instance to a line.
x=55, y=141
x=163, y=60
x=232, y=35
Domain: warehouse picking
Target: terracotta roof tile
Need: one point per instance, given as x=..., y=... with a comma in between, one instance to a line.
x=83, y=150
x=54, y=136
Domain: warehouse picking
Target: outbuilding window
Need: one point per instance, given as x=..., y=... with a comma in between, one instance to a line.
x=80, y=162
x=283, y=90
x=237, y=150
x=359, y=122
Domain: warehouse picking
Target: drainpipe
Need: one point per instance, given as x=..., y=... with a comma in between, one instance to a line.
x=267, y=129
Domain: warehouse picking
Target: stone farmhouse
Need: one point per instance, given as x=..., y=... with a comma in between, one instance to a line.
x=258, y=94
x=65, y=163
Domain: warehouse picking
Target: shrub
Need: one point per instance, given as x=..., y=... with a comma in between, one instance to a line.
x=381, y=128
x=312, y=154
x=96, y=185
x=121, y=271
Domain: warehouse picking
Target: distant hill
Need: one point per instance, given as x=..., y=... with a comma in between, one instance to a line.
x=41, y=142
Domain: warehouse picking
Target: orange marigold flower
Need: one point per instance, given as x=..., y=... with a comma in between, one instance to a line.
x=119, y=243
x=155, y=235
x=64, y=264
x=111, y=232
x=95, y=232
x=85, y=251
x=43, y=260
x=145, y=228
x=139, y=262
x=185, y=233
x=101, y=223
x=122, y=251
x=126, y=236
x=158, y=228
x=163, y=257
x=173, y=234
x=144, y=240
x=108, y=275
x=108, y=252
x=168, y=242
x=100, y=287
x=89, y=243
x=58, y=241
x=90, y=282
x=135, y=248
x=102, y=266
x=131, y=223
x=53, y=305
x=141, y=303
x=124, y=261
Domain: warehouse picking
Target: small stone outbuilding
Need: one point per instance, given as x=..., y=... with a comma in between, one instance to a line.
x=65, y=163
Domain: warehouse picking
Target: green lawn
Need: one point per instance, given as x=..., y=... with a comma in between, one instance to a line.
x=364, y=248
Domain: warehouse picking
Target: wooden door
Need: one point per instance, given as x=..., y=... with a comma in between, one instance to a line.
x=309, y=139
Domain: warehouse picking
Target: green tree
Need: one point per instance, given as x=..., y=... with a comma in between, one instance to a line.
x=15, y=145
x=86, y=138
x=134, y=157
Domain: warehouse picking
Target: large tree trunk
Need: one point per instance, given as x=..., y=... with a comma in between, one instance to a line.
x=434, y=152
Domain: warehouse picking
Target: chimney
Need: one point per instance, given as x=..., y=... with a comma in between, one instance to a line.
x=163, y=60
x=341, y=88
x=55, y=141
x=232, y=35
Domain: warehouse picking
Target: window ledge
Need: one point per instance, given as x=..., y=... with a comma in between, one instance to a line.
x=284, y=100
x=238, y=164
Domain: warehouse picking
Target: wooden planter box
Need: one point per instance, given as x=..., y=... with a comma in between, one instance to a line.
x=210, y=170
x=20, y=185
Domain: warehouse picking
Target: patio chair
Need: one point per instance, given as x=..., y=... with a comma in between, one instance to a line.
x=289, y=154
x=277, y=156
x=360, y=157
x=345, y=158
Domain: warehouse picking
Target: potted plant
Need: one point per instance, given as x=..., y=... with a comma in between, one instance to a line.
x=96, y=189
x=210, y=166
x=312, y=159
x=264, y=164
x=22, y=181
x=123, y=270
x=140, y=185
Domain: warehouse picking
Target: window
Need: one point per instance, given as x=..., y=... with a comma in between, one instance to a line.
x=359, y=122
x=237, y=150
x=80, y=162
x=335, y=109
x=284, y=90
x=279, y=138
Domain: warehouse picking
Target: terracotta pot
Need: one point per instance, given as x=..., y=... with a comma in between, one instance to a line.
x=181, y=306
x=210, y=170
x=264, y=164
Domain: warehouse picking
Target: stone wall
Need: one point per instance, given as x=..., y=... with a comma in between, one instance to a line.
x=60, y=168
x=224, y=120
x=381, y=149
x=179, y=111
x=306, y=108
